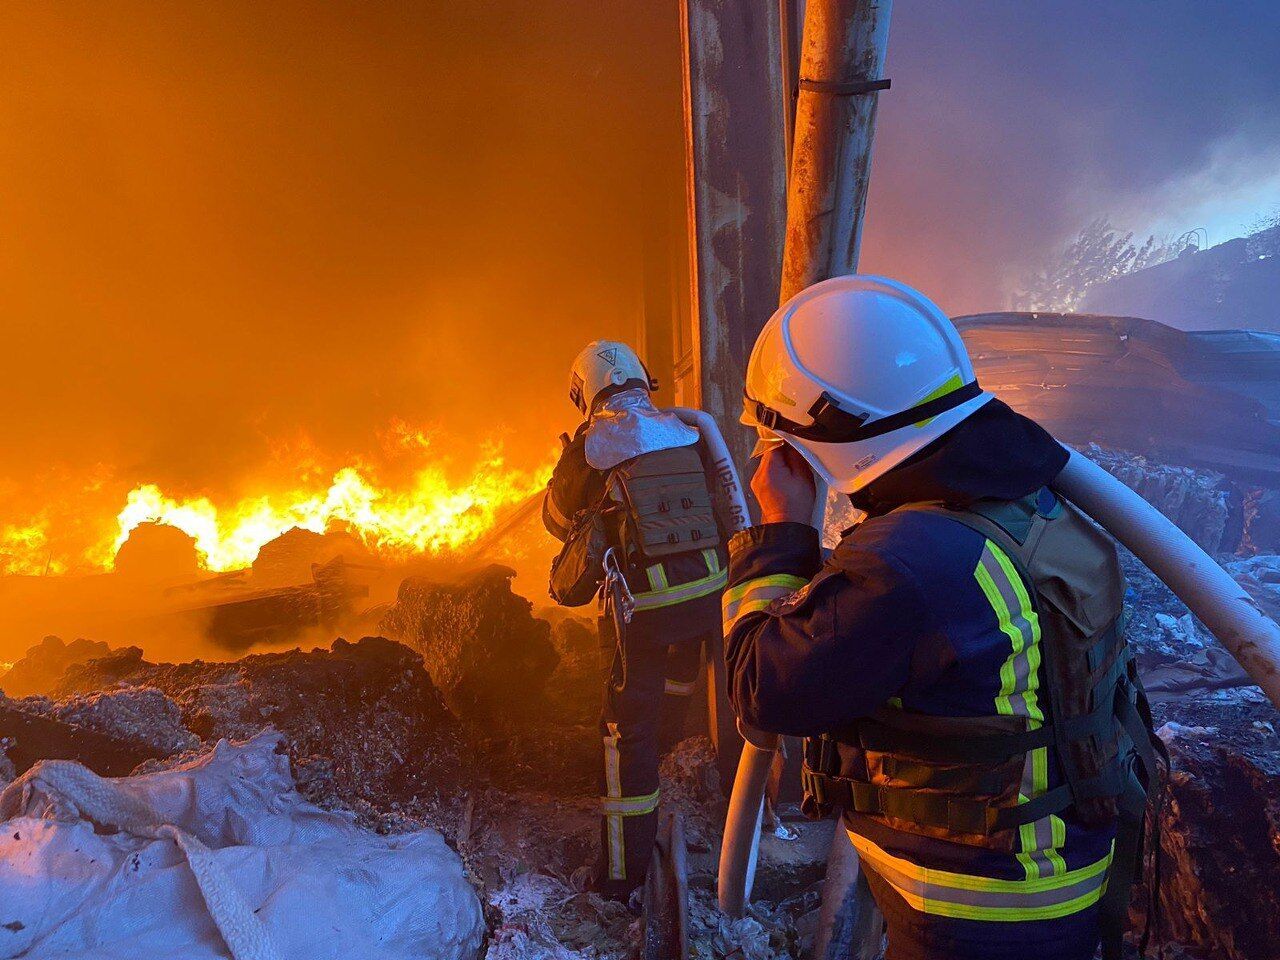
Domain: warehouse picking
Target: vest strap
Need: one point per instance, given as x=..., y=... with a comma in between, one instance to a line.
x=959, y=815
x=880, y=738
x=883, y=738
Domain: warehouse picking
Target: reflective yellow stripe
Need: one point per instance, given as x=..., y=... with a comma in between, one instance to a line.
x=755, y=595
x=953, y=384
x=682, y=592
x=712, y=560
x=1019, y=696
x=629, y=806
x=657, y=578
x=613, y=821
x=680, y=688
x=967, y=897
x=557, y=517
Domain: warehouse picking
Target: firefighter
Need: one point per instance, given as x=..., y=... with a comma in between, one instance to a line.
x=639, y=476
x=958, y=662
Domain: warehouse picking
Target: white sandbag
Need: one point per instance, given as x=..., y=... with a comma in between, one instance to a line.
x=219, y=858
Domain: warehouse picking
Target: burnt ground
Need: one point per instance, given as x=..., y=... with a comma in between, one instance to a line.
x=367, y=731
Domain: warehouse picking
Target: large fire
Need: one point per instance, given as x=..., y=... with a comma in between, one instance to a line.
x=431, y=509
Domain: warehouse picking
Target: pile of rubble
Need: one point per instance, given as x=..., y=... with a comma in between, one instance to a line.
x=1205, y=505
x=1219, y=823
x=46, y=662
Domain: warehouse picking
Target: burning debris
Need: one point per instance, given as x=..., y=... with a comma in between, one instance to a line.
x=406, y=501
x=478, y=640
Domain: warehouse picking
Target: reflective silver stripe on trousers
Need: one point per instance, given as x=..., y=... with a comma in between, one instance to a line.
x=613, y=821
x=679, y=688
x=630, y=806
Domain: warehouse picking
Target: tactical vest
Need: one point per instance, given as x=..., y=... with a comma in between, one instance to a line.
x=668, y=504
x=961, y=778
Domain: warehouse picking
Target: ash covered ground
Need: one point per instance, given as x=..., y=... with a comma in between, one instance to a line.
x=475, y=717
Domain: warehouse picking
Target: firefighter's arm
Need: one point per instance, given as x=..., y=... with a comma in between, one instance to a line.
x=569, y=489
x=810, y=647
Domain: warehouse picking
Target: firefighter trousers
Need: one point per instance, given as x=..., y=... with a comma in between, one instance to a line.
x=913, y=935
x=647, y=688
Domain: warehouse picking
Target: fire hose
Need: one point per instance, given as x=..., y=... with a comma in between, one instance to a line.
x=1209, y=592
x=740, y=845
x=1230, y=614
x=732, y=495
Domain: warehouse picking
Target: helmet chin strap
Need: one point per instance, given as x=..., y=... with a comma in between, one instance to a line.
x=833, y=425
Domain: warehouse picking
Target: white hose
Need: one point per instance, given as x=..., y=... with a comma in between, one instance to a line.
x=739, y=517
x=740, y=844
x=1209, y=592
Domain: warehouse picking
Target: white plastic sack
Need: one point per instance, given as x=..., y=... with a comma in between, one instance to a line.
x=278, y=876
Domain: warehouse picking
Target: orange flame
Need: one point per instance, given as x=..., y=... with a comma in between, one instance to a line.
x=432, y=510
x=432, y=515
x=25, y=549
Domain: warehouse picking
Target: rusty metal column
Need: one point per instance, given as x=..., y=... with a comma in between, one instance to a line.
x=736, y=194
x=736, y=145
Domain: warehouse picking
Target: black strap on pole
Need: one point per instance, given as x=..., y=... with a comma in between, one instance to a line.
x=843, y=88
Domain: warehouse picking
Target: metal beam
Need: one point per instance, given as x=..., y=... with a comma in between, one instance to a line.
x=735, y=144
x=736, y=150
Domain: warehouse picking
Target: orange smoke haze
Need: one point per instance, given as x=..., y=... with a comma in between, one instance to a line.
x=223, y=225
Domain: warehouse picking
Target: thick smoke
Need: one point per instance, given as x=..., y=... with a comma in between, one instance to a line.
x=223, y=224
x=237, y=241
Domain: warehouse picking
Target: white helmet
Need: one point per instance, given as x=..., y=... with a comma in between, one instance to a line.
x=858, y=373
x=602, y=364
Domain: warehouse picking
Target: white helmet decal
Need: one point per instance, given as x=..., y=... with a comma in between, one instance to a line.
x=602, y=364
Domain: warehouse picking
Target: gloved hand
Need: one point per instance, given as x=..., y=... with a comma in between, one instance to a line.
x=784, y=486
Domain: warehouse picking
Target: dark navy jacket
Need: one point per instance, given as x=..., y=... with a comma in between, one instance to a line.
x=898, y=616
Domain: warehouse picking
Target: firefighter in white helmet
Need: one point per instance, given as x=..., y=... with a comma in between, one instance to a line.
x=958, y=662
x=633, y=483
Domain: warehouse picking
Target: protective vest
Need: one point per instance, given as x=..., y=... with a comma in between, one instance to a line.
x=972, y=780
x=667, y=528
